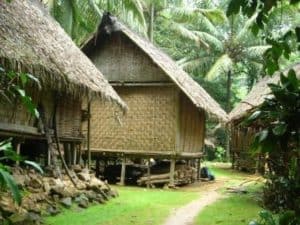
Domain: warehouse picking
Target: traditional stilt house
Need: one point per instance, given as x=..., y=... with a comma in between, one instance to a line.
x=32, y=42
x=242, y=137
x=167, y=108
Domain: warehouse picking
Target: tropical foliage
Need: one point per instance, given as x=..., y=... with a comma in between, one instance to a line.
x=81, y=18
x=280, y=139
x=12, y=89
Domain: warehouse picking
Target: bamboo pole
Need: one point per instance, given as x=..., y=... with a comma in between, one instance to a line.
x=89, y=135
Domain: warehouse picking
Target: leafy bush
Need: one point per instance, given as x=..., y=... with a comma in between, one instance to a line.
x=12, y=87
x=279, y=138
x=285, y=218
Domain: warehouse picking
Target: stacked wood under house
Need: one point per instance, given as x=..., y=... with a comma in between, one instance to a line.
x=33, y=42
x=167, y=108
x=241, y=136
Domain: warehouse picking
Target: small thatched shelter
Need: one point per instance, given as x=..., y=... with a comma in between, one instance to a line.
x=33, y=42
x=241, y=137
x=167, y=108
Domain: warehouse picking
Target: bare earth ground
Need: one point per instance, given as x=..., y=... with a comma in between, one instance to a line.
x=186, y=214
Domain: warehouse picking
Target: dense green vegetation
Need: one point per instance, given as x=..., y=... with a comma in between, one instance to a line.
x=133, y=206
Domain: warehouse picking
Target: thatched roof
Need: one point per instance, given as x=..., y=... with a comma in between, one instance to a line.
x=257, y=95
x=200, y=98
x=32, y=41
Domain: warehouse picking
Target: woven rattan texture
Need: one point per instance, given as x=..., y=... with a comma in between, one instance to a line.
x=150, y=124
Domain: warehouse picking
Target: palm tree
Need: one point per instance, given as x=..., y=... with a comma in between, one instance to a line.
x=81, y=18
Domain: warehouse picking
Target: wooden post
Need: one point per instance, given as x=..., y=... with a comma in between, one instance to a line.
x=48, y=157
x=79, y=159
x=172, y=172
x=18, y=149
x=89, y=135
x=148, y=173
x=198, y=168
x=123, y=171
x=97, y=166
x=73, y=153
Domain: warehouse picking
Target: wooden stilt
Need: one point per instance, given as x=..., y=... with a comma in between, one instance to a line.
x=198, y=168
x=97, y=166
x=18, y=149
x=89, y=135
x=123, y=171
x=73, y=153
x=67, y=155
x=48, y=157
x=148, y=173
x=172, y=173
x=79, y=159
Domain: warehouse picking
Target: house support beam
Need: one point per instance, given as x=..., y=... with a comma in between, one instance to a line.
x=123, y=171
x=172, y=172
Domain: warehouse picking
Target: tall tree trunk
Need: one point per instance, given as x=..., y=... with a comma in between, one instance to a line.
x=228, y=108
x=151, y=22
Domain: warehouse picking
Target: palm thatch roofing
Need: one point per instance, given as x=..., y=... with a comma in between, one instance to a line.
x=33, y=42
x=258, y=94
x=200, y=98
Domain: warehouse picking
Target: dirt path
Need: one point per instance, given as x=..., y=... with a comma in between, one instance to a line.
x=186, y=214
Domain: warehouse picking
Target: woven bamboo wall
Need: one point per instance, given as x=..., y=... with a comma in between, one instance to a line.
x=68, y=113
x=69, y=117
x=192, y=127
x=15, y=112
x=122, y=61
x=241, y=139
x=150, y=124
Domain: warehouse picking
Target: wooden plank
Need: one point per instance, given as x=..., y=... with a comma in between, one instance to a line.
x=18, y=128
x=141, y=84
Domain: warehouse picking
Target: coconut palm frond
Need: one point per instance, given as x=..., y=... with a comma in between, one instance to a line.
x=180, y=15
x=221, y=66
x=283, y=18
x=211, y=40
x=136, y=9
x=245, y=29
x=204, y=24
x=201, y=64
x=255, y=53
x=216, y=16
x=181, y=30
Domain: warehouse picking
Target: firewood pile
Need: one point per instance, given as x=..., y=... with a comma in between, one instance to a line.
x=46, y=195
x=183, y=175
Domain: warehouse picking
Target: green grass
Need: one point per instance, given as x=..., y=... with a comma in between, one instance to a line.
x=233, y=210
x=133, y=206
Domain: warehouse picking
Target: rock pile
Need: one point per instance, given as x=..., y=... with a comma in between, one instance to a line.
x=46, y=195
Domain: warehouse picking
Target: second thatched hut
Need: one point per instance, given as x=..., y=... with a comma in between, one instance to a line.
x=167, y=108
x=242, y=137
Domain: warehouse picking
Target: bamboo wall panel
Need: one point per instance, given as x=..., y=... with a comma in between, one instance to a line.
x=191, y=127
x=241, y=139
x=122, y=61
x=150, y=124
x=68, y=113
x=69, y=117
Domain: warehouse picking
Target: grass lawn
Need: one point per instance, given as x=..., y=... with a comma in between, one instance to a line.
x=233, y=209
x=134, y=206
